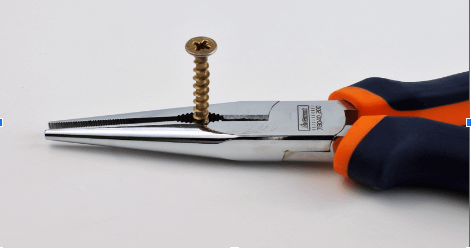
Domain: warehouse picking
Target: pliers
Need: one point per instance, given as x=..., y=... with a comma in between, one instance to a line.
x=380, y=132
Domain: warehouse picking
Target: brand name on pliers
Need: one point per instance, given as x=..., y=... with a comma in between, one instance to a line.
x=303, y=118
x=310, y=118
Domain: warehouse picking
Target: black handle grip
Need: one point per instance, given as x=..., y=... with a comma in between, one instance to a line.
x=401, y=151
x=405, y=96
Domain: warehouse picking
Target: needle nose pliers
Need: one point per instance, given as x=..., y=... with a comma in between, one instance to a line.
x=380, y=132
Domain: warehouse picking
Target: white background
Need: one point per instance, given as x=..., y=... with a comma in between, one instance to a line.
x=71, y=59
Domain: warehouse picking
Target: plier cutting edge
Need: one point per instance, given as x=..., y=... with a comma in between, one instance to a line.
x=380, y=132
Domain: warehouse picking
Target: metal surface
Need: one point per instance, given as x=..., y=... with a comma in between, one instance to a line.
x=234, y=111
x=201, y=48
x=262, y=131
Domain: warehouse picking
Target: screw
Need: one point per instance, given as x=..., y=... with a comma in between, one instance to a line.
x=201, y=48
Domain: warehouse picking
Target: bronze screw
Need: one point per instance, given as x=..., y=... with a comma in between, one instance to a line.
x=201, y=48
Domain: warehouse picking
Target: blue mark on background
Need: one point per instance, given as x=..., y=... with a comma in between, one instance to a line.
x=468, y=122
x=1, y=122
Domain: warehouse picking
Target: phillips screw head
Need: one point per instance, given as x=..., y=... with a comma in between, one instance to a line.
x=201, y=46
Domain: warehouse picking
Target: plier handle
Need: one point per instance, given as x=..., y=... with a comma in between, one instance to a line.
x=390, y=146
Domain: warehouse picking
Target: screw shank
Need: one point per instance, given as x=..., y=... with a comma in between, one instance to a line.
x=201, y=89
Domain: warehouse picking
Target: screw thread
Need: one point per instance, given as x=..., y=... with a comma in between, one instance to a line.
x=202, y=90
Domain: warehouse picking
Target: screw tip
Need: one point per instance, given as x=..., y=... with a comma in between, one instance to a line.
x=201, y=46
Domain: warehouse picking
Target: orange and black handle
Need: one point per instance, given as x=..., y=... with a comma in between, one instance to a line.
x=444, y=99
x=389, y=146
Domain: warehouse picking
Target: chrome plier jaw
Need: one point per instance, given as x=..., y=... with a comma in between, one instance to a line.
x=248, y=131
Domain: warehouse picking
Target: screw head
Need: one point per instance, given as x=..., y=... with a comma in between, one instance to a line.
x=201, y=46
